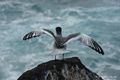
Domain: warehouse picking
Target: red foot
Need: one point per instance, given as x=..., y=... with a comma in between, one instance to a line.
x=62, y=59
x=59, y=59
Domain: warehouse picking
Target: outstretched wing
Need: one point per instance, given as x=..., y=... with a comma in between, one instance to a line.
x=34, y=34
x=86, y=40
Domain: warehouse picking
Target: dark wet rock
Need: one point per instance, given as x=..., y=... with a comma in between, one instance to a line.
x=69, y=69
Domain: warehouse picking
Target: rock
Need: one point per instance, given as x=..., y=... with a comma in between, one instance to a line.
x=69, y=69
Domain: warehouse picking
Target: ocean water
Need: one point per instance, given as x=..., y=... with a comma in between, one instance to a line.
x=100, y=19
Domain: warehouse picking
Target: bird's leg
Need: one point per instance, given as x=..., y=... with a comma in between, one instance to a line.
x=63, y=57
x=55, y=58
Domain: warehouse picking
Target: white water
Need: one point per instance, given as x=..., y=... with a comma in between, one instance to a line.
x=99, y=19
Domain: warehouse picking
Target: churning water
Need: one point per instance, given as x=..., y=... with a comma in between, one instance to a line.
x=99, y=19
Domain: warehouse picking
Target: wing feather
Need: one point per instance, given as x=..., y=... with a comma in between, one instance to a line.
x=34, y=34
x=86, y=40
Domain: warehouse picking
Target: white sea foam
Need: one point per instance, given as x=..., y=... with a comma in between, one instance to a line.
x=101, y=22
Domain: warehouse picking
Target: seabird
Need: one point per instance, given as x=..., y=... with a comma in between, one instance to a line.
x=60, y=42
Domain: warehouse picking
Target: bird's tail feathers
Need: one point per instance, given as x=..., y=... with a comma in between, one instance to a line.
x=59, y=51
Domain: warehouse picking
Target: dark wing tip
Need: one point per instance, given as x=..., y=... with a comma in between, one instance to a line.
x=97, y=48
x=28, y=36
x=25, y=37
x=102, y=52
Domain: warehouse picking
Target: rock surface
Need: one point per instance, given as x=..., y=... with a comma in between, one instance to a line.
x=69, y=69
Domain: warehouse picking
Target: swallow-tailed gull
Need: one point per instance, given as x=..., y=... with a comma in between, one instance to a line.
x=60, y=42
